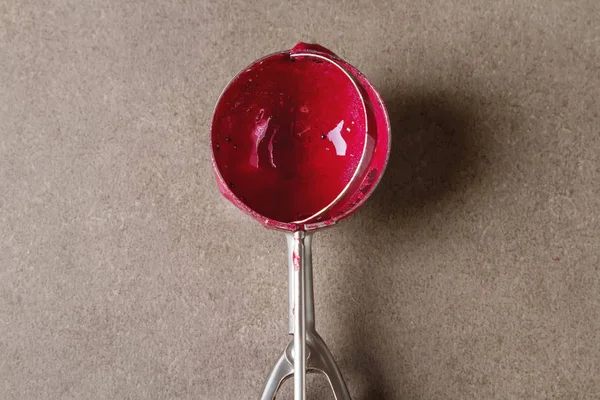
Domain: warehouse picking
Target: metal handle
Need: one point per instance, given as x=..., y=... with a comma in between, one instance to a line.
x=298, y=260
x=316, y=356
x=309, y=304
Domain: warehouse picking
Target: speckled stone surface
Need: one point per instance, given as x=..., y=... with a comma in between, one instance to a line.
x=472, y=273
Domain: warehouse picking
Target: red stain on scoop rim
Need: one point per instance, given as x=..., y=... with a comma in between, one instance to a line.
x=288, y=135
x=296, y=261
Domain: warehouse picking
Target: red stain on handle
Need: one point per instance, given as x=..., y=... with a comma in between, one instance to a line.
x=296, y=261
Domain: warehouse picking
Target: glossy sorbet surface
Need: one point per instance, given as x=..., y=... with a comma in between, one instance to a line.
x=288, y=134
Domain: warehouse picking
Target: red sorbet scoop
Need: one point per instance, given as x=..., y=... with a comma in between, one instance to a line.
x=290, y=135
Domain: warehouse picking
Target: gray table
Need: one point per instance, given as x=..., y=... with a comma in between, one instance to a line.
x=123, y=272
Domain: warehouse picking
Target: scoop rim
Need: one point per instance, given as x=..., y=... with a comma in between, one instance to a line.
x=239, y=202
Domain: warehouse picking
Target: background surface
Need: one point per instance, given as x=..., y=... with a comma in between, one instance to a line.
x=472, y=273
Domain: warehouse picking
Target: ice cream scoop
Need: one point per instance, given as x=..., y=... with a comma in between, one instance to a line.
x=299, y=140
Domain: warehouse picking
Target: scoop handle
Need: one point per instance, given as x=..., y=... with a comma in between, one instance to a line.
x=317, y=357
x=299, y=313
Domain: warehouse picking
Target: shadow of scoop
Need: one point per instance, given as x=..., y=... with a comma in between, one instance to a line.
x=437, y=162
x=435, y=150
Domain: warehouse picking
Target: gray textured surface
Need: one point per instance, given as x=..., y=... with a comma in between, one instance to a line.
x=472, y=273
